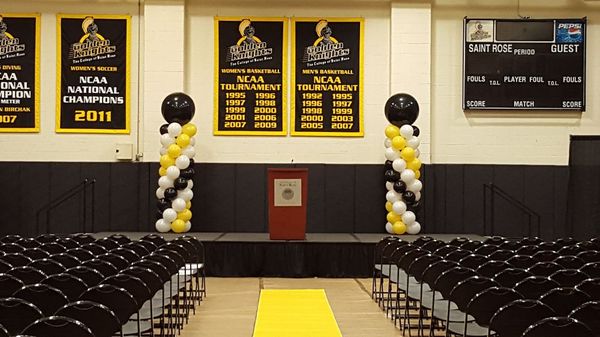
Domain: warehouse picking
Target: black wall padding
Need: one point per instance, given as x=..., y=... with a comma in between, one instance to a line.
x=233, y=197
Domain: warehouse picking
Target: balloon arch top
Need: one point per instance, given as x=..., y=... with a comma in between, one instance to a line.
x=402, y=167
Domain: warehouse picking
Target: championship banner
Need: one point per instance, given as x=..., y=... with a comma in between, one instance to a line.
x=250, y=76
x=19, y=73
x=327, y=84
x=93, y=73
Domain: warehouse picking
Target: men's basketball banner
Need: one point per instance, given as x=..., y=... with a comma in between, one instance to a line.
x=327, y=75
x=250, y=76
x=19, y=72
x=93, y=70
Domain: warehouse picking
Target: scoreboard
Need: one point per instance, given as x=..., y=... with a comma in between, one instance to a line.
x=524, y=64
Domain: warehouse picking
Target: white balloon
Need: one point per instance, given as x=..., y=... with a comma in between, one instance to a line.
x=417, y=153
x=188, y=226
x=163, y=151
x=391, y=154
x=166, y=140
x=190, y=184
x=169, y=215
x=388, y=228
x=389, y=185
x=174, y=129
x=387, y=142
x=178, y=204
x=162, y=226
x=186, y=194
x=189, y=151
x=182, y=162
x=399, y=165
x=417, y=196
x=392, y=196
x=172, y=172
x=413, y=142
x=409, y=218
x=415, y=187
x=414, y=228
x=408, y=176
x=406, y=131
x=160, y=193
x=192, y=141
x=399, y=207
x=165, y=182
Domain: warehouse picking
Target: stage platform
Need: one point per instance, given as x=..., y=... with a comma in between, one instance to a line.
x=320, y=255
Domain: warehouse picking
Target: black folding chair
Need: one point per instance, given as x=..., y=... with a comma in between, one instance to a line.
x=3, y=332
x=82, y=238
x=473, y=261
x=156, y=239
x=16, y=314
x=491, y=268
x=16, y=259
x=97, y=317
x=501, y=255
x=564, y=300
x=461, y=294
x=108, y=243
x=28, y=243
x=141, y=293
x=511, y=276
x=105, y=268
x=533, y=287
x=589, y=256
x=58, y=326
x=521, y=261
x=9, y=284
x=515, y=317
x=121, y=302
x=545, y=256
x=90, y=276
x=591, y=269
x=12, y=238
x=66, y=260
x=116, y=260
x=459, y=241
x=471, y=245
x=35, y=253
x=588, y=314
x=48, y=266
x=68, y=243
x=4, y=266
x=81, y=254
x=94, y=248
x=558, y=327
x=590, y=287
x=28, y=275
x=10, y=248
x=544, y=268
x=485, y=249
x=529, y=250
x=127, y=254
x=53, y=248
x=46, y=298
x=570, y=262
x=120, y=239
x=568, y=277
x=71, y=286
x=47, y=238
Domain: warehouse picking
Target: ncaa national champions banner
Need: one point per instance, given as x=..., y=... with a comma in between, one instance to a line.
x=93, y=73
x=19, y=72
x=250, y=76
x=327, y=84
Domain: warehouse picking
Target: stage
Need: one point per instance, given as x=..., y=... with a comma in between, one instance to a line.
x=320, y=255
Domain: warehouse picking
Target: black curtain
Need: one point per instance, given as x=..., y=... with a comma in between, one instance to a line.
x=583, y=203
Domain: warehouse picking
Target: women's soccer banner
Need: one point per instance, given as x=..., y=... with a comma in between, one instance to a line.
x=250, y=76
x=19, y=72
x=327, y=85
x=93, y=70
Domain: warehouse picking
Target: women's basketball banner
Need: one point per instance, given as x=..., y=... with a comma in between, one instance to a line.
x=250, y=76
x=19, y=72
x=327, y=72
x=93, y=70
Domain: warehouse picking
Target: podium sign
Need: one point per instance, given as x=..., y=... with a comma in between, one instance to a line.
x=287, y=203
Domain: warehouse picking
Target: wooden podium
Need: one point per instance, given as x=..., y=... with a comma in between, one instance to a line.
x=288, y=189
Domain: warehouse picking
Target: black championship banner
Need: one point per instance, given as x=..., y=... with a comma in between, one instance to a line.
x=327, y=77
x=19, y=73
x=93, y=73
x=250, y=76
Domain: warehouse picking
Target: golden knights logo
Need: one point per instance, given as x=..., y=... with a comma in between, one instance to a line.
x=248, y=46
x=91, y=43
x=326, y=47
x=8, y=43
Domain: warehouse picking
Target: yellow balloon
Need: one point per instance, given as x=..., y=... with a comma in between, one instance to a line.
x=398, y=227
x=189, y=129
x=178, y=226
x=185, y=215
x=414, y=164
x=392, y=131
x=417, y=174
x=188, y=204
x=408, y=154
x=398, y=142
x=183, y=140
x=388, y=206
x=162, y=171
x=174, y=150
x=393, y=217
x=166, y=161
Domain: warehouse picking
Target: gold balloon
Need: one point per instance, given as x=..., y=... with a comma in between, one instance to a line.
x=188, y=204
x=393, y=217
x=174, y=150
x=166, y=161
x=398, y=227
x=183, y=140
x=178, y=226
x=398, y=142
x=185, y=215
x=414, y=164
x=392, y=131
x=162, y=171
x=408, y=154
x=189, y=129
x=388, y=206
x=417, y=174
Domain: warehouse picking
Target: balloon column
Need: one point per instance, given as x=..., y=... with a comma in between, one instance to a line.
x=175, y=184
x=402, y=167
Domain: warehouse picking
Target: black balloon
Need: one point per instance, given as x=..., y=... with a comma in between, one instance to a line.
x=180, y=183
x=401, y=109
x=400, y=186
x=416, y=131
x=159, y=214
x=388, y=165
x=187, y=173
x=163, y=204
x=415, y=206
x=164, y=129
x=391, y=176
x=170, y=193
x=178, y=108
x=408, y=197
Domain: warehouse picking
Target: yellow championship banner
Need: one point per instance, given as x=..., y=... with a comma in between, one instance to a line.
x=327, y=77
x=93, y=73
x=250, y=76
x=19, y=72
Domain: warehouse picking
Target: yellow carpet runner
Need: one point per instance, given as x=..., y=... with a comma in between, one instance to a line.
x=295, y=313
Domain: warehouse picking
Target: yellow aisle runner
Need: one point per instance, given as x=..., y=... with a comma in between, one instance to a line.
x=295, y=313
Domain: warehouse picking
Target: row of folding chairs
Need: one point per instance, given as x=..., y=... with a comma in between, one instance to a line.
x=98, y=286
x=427, y=267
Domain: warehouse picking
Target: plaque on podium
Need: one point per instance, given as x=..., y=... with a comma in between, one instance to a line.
x=288, y=190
